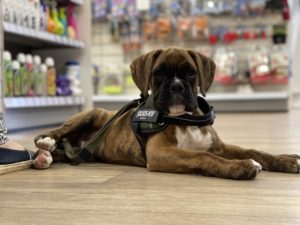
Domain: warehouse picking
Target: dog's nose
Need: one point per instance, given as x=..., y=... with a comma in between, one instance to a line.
x=177, y=87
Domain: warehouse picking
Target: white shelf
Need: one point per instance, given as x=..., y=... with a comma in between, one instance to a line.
x=260, y=101
x=42, y=36
x=39, y=102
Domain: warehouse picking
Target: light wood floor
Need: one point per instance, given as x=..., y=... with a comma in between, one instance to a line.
x=112, y=194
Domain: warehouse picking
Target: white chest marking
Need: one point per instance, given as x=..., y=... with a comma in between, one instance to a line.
x=193, y=139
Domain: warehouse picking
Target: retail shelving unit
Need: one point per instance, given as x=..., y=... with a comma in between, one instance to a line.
x=26, y=112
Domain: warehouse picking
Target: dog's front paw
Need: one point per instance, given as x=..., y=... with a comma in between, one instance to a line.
x=246, y=169
x=43, y=160
x=286, y=163
x=46, y=143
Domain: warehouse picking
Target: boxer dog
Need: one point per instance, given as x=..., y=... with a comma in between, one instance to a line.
x=173, y=76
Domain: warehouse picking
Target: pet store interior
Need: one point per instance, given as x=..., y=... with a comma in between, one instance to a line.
x=62, y=57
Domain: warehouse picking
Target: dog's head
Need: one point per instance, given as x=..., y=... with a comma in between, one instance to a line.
x=173, y=75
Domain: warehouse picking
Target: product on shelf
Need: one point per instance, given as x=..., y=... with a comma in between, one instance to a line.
x=42, y=15
x=96, y=79
x=279, y=66
x=112, y=79
x=62, y=14
x=63, y=85
x=30, y=76
x=8, y=74
x=39, y=74
x=50, y=76
x=59, y=27
x=72, y=24
x=227, y=68
x=259, y=66
x=23, y=73
x=16, y=77
x=73, y=75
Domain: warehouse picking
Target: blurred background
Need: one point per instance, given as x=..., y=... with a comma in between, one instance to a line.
x=61, y=57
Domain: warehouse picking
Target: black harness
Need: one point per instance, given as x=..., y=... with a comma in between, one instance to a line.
x=146, y=120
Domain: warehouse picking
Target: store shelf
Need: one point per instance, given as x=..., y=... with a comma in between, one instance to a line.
x=225, y=102
x=38, y=102
x=23, y=35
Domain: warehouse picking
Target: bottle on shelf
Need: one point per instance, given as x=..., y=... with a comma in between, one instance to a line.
x=39, y=77
x=50, y=77
x=30, y=76
x=23, y=73
x=16, y=78
x=8, y=74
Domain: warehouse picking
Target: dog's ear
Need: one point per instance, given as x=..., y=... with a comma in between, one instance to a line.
x=205, y=69
x=141, y=70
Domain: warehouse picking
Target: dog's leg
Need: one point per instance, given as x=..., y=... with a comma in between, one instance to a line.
x=278, y=163
x=83, y=123
x=168, y=158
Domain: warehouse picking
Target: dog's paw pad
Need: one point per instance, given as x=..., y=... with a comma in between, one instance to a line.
x=43, y=160
x=46, y=143
x=257, y=166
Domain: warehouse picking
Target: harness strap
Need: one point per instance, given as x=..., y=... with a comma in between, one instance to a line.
x=86, y=153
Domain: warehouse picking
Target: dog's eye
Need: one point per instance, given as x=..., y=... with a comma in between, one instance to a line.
x=159, y=73
x=191, y=74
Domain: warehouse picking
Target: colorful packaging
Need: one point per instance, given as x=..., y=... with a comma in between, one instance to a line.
x=8, y=75
x=279, y=66
x=259, y=66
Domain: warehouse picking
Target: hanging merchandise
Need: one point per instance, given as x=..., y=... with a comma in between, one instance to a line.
x=279, y=65
x=279, y=34
x=149, y=30
x=241, y=8
x=72, y=24
x=256, y=7
x=96, y=79
x=259, y=66
x=8, y=74
x=184, y=27
x=100, y=9
x=112, y=80
x=199, y=27
x=285, y=10
x=164, y=28
x=227, y=66
x=50, y=77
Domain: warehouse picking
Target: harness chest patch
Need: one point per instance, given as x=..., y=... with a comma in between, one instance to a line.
x=145, y=115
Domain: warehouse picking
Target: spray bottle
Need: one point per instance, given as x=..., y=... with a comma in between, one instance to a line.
x=38, y=76
x=63, y=20
x=58, y=25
